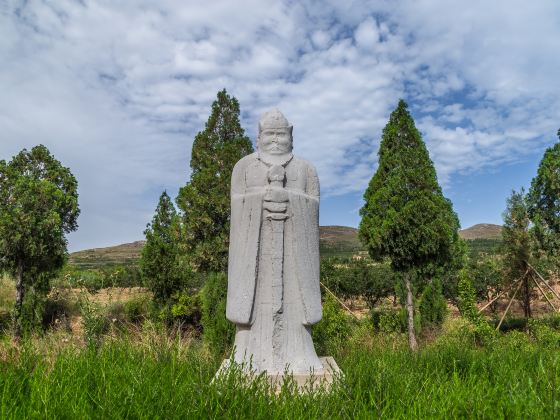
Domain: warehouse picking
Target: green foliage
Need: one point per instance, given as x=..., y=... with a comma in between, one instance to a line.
x=205, y=199
x=467, y=298
x=481, y=246
x=94, y=321
x=515, y=234
x=389, y=320
x=351, y=278
x=187, y=308
x=38, y=206
x=405, y=216
x=218, y=332
x=137, y=309
x=333, y=329
x=159, y=261
x=487, y=275
x=159, y=377
x=517, y=245
x=95, y=279
x=544, y=201
x=433, y=306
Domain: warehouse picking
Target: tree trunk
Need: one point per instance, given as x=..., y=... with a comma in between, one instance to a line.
x=19, y=301
x=527, y=297
x=410, y=311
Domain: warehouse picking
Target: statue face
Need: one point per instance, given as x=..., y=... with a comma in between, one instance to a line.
x=275, y=141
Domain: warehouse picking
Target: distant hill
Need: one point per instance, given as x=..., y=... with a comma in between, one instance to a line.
x=113, y=255
x=482, y=231
x=334, y=241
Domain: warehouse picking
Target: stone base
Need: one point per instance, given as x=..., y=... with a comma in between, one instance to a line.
x=306, y=382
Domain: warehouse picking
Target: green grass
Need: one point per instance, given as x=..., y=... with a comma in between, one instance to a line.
x=153, y=376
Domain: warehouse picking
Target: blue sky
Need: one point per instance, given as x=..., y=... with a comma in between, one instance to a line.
x=118, y=90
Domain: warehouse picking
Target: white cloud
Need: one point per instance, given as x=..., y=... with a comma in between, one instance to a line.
x=117, y=90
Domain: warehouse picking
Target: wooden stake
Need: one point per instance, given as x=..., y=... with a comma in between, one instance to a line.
x=339, y=301
x=543, y=293
x=499, y=295
x=509, y=304
x=543, y=280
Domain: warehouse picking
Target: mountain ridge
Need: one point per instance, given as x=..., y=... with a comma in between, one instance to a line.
x=334, y=240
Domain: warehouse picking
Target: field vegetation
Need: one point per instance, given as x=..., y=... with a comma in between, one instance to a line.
x=424, y=323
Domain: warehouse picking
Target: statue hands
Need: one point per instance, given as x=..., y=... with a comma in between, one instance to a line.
x=276, y=200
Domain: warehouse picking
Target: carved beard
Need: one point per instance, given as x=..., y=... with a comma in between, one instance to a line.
x=270, y=159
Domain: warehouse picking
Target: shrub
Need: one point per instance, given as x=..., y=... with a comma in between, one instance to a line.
x=333, y=329
x=94, y=321
x=467, y=298
x=186, y=308
x=389, y=320
x=433, y=306
x=137, y=309
x=57, y=309
x=218, y=332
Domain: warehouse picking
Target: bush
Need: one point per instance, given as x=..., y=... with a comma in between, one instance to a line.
x=186, y=308
x=218, y=332
x=333, y=329
x=389, y=320
x=433, y=306
x=137, y=309
x=94, y=321
x=57, y=310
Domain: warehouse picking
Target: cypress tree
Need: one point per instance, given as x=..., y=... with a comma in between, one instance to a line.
x=205, y=200
x=544, y=201
x=405, y=216
x=517, y=245
x=38, y=206
x=159, y=260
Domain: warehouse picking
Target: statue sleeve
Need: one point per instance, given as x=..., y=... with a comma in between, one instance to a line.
x=305, y=208
x=243, y=248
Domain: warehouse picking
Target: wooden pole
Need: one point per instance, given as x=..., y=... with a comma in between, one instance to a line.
x=543, y=280
x=509, y=304
x=543, y=293
x=499, y=295
x=339, y=301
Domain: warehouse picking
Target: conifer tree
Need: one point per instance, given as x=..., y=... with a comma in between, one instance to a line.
x=205, y=200
x=517, y=245
x=159, y=260
x=544, y=201
x=38, y=206
x=405, y=216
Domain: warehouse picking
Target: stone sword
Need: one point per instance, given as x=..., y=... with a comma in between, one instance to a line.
x=276, y=177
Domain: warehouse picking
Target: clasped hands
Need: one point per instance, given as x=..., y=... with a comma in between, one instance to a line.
x=276, y=200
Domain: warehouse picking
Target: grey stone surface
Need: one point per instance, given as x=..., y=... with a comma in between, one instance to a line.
x=273, y=275
x=310, y=381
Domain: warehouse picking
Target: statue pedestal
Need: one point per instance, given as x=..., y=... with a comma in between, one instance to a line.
x=305, y=382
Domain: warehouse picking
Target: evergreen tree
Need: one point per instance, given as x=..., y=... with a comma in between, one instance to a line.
x=405, y=216
x=433, y=306
x=517, y=245
x=205, y=200
x=38, y=206
x=159, y=260
x=544, y=201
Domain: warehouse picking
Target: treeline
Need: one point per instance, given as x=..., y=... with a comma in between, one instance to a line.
x=415, y=262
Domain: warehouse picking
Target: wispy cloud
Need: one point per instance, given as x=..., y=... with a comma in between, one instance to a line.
x=117, y=90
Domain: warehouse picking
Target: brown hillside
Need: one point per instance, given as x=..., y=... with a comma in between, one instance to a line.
x=340, y=238
x=482, y=231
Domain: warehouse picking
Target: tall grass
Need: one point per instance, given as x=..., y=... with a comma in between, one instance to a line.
x=150, y=375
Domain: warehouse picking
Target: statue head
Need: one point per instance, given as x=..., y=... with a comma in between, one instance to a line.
x=274, y=141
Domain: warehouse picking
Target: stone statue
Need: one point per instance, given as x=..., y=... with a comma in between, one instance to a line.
x=273, y=275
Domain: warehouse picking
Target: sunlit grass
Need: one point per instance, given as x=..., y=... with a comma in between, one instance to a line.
x=146, y=373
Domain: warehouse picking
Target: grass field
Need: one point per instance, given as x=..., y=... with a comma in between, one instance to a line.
x=146, y=373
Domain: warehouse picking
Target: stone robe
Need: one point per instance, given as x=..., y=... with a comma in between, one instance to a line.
x=268, y=339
